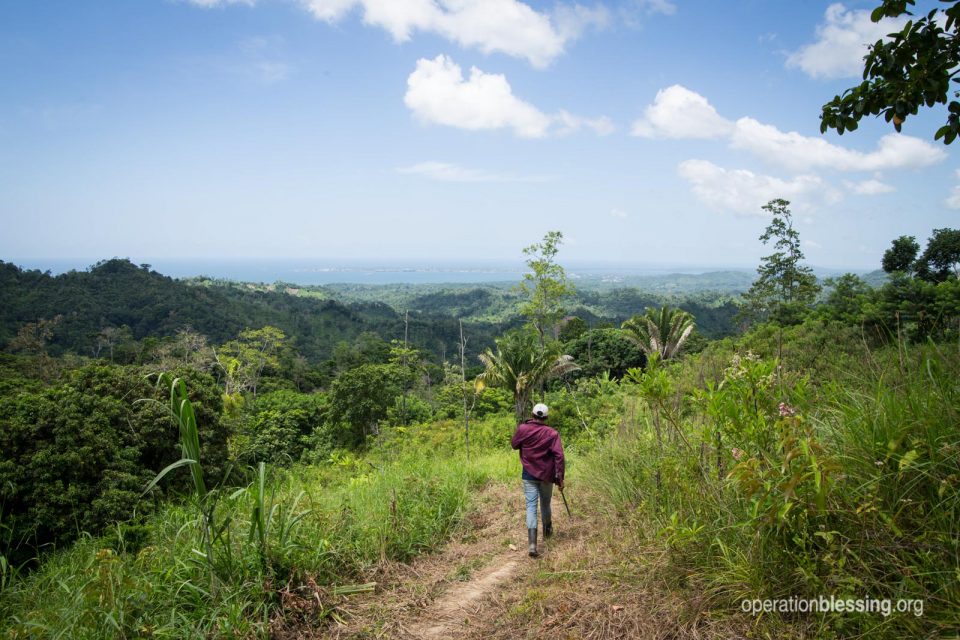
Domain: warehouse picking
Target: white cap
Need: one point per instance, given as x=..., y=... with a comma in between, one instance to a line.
x=540, y=410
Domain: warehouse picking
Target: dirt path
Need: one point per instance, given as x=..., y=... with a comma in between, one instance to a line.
x=445, y=618
x=590, y=582
x=445, y=595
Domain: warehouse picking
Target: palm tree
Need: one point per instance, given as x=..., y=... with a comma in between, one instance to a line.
x=660, y=331
x=521, y=365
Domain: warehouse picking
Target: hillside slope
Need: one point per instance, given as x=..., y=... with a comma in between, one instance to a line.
x=117, y=293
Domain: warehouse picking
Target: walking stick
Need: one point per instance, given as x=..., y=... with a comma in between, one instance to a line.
x=565, y=503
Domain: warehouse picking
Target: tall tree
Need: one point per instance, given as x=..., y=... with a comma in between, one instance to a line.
x=913, y=69
x=521, y=365
x=660, y=331
x=784, y=288
x=941, y=259
x=848, y=297
x=244, y=360
x=901, y=255
x=361, y=397
x=471, y=393
x=32, y=339
x=546, y=286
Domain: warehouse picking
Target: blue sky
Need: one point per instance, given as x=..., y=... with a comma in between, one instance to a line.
x=648, y=131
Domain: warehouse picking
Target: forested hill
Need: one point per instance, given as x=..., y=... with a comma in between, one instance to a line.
x=116, y=293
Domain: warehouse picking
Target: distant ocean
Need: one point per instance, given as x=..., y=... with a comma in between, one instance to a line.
x=304, y=272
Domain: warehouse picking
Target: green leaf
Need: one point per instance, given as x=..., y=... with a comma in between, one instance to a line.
x=170, y=467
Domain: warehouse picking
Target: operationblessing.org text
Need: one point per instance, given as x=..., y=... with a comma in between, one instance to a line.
x=833, y=604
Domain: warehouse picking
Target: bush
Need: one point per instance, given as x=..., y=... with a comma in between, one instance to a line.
x=600, y=351
x=283, y=426
x=75, y=456
x=488, y=401
x=760, y=482
x=585, y=411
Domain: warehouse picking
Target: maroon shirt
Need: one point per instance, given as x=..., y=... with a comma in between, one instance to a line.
x=541, y=452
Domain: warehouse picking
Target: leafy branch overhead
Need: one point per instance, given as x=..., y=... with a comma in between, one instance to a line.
x=914, y=68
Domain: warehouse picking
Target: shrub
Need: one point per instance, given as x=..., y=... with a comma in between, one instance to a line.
x=75, y=456
x=283, y=425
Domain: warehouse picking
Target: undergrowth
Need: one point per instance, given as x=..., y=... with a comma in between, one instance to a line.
x=760, y=482
x=218, y=564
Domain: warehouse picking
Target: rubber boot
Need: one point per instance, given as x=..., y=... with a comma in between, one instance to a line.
x=547, y=529
x=532, y=538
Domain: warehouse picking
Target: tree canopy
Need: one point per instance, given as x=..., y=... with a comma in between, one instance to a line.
x=660, y=332
x=900, y=256
x=784, y=287
x=546, y=285
x=940, y=261
x=914, y=68
x=521, y=365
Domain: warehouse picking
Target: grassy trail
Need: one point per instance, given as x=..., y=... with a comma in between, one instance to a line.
x=436, y=595
x=590, y=582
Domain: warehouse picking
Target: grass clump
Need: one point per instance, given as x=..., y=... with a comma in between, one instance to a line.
x=224, y=562
x=765, y=483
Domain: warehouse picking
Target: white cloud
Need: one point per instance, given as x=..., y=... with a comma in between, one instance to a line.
x=635, y=14
x=743, y=191
x=504, y=26
x=618, y=213
x=841, y=43
x=869, y=187
x=270, y=72
x=677, y=112
x=447, y=172
x=799, y=152
x=813, y=244
x=437, y=93
x=569, y=123
x=329, y=10
x=572, y=20
x=953, y=201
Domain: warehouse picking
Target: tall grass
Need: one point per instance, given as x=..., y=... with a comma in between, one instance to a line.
x=848, y=488
x=344, y=521
x=218, y=564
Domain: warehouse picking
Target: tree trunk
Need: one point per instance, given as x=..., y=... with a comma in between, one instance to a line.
x=463, y=381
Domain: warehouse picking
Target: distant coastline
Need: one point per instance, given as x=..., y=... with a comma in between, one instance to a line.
x=319, y=273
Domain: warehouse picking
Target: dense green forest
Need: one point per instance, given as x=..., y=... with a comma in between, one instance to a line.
x=120, y=304
x=796, y=440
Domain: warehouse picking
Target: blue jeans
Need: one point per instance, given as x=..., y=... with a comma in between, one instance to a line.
x=532, y=490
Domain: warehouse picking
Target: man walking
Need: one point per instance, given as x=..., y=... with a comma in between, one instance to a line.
x=541, y=454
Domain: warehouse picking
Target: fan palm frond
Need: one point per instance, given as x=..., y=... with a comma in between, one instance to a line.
x=660, y=331
x=521, y=365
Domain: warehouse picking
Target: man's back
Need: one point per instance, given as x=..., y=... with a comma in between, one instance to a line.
x=541, y=452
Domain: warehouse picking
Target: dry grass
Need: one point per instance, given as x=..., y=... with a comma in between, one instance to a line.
x=592, y=581
x=595, y=582
x=402, y=602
